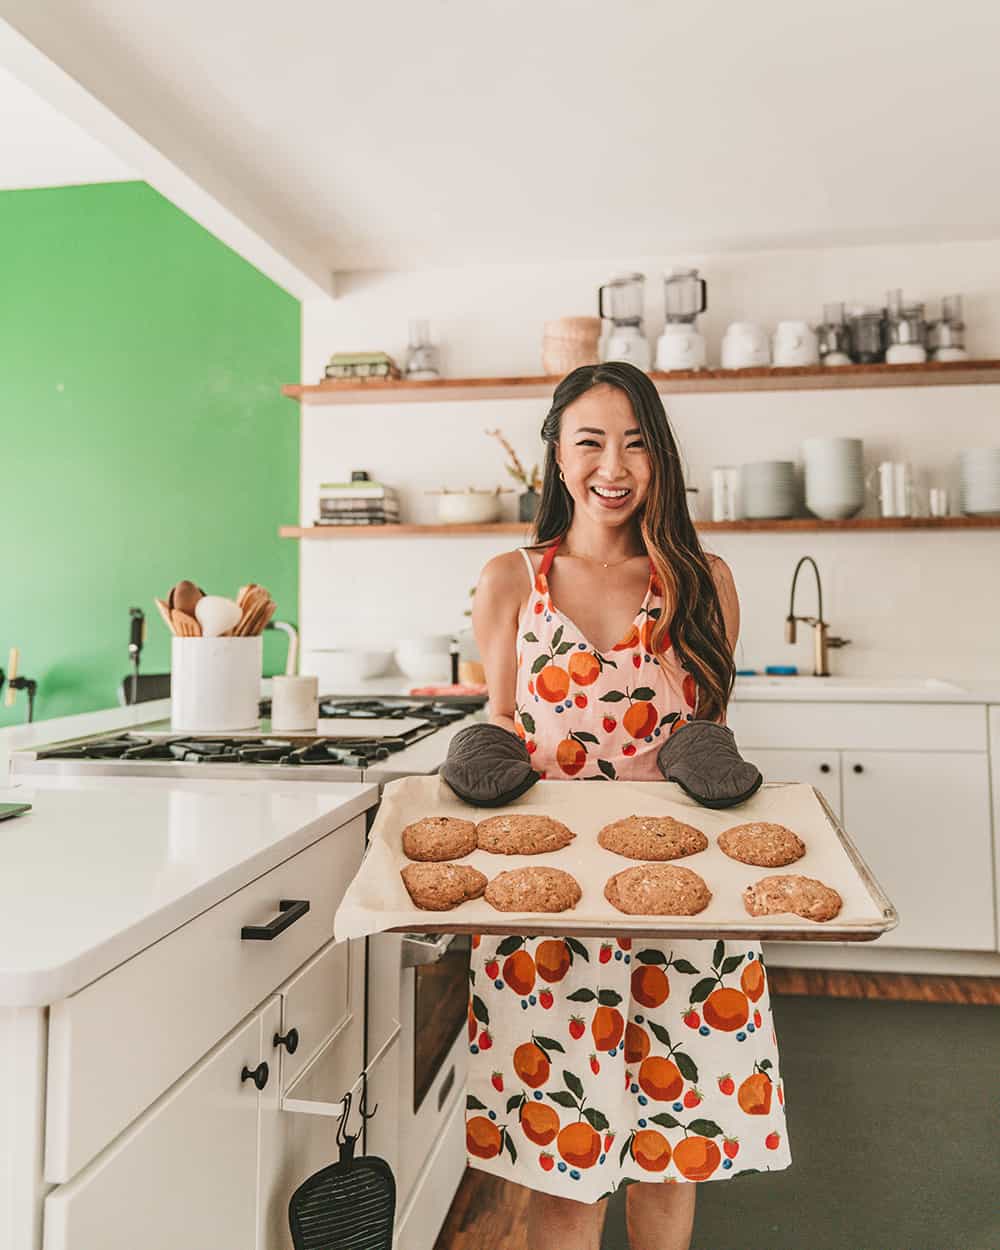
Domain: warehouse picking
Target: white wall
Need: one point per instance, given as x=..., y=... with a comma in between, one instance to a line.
x=913, y=603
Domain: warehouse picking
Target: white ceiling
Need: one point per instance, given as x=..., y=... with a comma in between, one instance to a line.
x=397, y=134
x=41, y=147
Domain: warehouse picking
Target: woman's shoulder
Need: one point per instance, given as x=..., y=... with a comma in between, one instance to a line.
x=507, y=573
x=720, y=570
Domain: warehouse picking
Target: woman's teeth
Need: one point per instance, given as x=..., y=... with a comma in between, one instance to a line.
x=605, y=493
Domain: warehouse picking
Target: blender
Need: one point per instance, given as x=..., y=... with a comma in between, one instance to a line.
x=681, y=345
x=621, y=302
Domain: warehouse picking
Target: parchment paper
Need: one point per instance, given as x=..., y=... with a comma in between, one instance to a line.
x=377, y=899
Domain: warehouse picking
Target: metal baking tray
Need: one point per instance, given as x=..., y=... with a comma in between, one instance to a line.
x=377, y=901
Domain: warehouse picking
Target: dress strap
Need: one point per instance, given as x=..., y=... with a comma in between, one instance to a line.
x=547, y=559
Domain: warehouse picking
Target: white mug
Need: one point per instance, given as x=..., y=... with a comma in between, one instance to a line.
x=294, y=703
x=745, y=345
x=795, y=343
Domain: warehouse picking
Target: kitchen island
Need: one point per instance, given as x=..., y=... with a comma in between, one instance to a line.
x=160, y=943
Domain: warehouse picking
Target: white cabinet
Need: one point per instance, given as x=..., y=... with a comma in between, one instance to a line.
x=816, y=768
x=922, y=822
x=185, y=1174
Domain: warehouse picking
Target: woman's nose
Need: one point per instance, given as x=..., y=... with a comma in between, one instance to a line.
x=611, y=461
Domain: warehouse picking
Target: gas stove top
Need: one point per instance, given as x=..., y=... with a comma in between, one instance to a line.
x=331, y=753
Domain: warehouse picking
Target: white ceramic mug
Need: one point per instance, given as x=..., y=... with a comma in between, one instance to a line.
x=215, y=684
x=745, y=345
x=795, y=343
x=294, y=703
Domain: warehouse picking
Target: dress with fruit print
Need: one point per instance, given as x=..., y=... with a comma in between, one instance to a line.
x=598, y=1062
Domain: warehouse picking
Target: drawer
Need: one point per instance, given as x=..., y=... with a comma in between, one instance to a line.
x=321, y=1000
x=120, y=1043
x=860, y=726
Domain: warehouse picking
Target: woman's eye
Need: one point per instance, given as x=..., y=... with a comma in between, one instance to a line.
x=637, y=447
x=588, y=442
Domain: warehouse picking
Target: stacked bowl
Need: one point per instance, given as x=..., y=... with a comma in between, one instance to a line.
x=769, y=490
x=980, y=481
x=834, y=476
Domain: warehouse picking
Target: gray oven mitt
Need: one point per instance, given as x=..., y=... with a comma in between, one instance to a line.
x=488, y=766
x=704, y=761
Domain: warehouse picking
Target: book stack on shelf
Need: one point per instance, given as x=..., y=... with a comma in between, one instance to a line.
x=358, y=366
x=360, y=502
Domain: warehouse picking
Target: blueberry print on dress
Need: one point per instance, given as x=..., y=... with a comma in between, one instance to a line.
x=597, y=1062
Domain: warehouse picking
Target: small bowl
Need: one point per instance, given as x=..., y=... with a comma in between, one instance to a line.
x=471, y=507
x=427, y=667
x=340, y=668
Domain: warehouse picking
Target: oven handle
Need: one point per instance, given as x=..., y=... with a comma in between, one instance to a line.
x=425, y=948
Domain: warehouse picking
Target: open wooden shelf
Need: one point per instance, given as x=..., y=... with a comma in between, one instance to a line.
x=702, y=381
x=792, y=525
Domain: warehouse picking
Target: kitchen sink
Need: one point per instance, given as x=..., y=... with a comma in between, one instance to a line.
x=839, y=686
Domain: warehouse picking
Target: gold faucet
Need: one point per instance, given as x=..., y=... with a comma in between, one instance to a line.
x=822, y=640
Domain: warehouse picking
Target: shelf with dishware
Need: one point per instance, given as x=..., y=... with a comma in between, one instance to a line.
x=688, y=381
x=788, y=525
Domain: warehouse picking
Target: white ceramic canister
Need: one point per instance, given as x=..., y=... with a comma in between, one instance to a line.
x=215, y=684
x=294, y=703
x=795, y=343
x=745, y=345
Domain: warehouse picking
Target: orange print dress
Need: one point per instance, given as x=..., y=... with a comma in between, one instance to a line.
x=597, y=1062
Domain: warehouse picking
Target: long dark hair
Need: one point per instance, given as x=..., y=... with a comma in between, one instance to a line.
x=696, y=629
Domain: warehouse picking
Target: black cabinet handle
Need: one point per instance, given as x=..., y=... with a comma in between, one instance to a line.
x=289, y=910
x=824, y=768
x=258, y=1075
x=290, y=1041
x=859, y=768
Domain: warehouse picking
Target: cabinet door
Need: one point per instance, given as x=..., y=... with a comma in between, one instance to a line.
x=921, y=820
x=184, y=1174
x=816, y=768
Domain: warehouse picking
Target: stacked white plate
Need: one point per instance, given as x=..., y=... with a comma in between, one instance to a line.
x=980, y=480
x=834, y=477
x=769, y=490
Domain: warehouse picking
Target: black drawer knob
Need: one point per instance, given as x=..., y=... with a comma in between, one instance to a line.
x=859, y=768
x=258, y=1075
x=824, y=768
x=290, y=1040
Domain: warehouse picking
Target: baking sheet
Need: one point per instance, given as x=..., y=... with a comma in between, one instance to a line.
x=377, y=899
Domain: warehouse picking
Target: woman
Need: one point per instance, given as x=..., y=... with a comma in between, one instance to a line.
x=658, y=1059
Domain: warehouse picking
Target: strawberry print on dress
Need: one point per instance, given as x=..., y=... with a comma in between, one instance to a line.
x=598, y=1062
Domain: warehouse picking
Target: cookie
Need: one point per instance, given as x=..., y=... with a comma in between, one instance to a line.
x=439, y=837
x=522, y=835
x=657, y=890
x=763, y=844
x=533, y=889
x=804, y=896
x=651, y=837
x=439, y=887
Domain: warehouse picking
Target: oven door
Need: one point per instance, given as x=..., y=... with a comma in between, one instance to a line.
x=434, y=999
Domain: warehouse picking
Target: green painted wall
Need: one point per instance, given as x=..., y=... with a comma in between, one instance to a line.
x=144, y=438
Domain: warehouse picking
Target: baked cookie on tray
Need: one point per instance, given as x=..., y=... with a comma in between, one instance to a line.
x=762, y=843
x=533, y=889
x=522, y=835
x=658, y=890
x=440, y=887
x=803, y=896
x=435, y=838
x=651, y=837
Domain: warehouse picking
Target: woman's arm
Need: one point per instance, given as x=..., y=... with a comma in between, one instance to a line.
x=729, y=600
x=496, y=606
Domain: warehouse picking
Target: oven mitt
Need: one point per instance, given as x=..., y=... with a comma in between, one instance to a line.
x=704, y=761
x=488, y=766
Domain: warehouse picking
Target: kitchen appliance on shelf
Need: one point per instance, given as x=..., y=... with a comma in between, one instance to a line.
x=745, y=345
x=906, y=331
x=866, y=326
x=421, y=354
x=623, y=306
x=833, y=336
x=681, y=345
x=946, y=338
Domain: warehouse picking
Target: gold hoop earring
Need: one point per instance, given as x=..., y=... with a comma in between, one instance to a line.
x=562, y=477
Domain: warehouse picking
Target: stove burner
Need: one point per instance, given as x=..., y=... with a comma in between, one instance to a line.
x=352, y=752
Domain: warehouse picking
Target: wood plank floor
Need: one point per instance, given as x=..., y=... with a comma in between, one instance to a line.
x=490, y=1214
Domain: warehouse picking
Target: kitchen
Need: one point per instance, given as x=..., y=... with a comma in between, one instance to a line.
x=914, y=696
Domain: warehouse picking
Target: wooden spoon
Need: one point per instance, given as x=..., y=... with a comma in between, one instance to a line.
x=165, y=613
x=185, y=626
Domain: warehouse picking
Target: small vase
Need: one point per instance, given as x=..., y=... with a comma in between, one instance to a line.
x=527, y=505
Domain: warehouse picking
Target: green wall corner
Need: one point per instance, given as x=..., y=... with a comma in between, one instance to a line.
x=144, y=436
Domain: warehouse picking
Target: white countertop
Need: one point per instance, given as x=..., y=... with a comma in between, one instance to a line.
x=103, y=867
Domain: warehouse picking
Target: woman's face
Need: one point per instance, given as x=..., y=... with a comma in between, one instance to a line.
x=602, y=456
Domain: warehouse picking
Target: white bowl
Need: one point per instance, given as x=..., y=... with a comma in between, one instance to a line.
x=474, y=507
x=340, y=668
x=428, y=667
x=427, y=644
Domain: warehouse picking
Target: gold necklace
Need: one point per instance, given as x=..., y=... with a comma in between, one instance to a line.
x=605, y=564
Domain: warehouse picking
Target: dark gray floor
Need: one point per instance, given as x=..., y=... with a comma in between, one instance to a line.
x=893, y=1125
